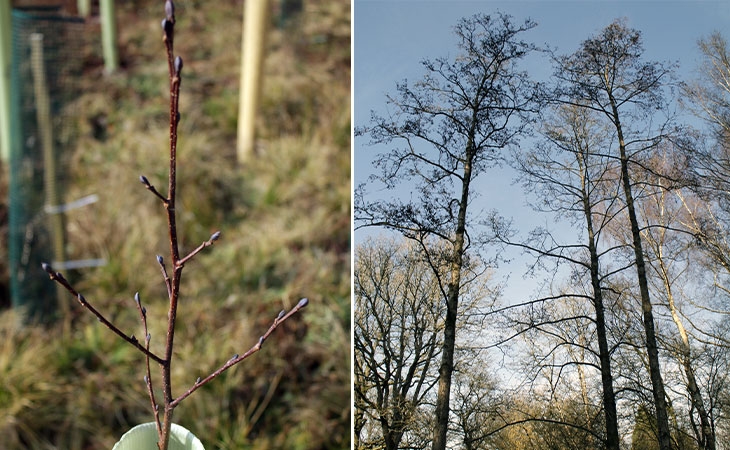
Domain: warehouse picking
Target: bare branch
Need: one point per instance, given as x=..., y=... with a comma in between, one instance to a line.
x=59, y=278
x=235, y=359
x=214, y=237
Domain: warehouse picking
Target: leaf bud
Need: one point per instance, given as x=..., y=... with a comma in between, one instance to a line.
x=215, y=236
x=178, y=65
x=167, y=27
x=160, y=261
x=170, y=11
x=302, y=303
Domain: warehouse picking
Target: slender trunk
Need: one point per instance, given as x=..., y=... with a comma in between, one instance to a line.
x=707, y=434
x=706, y=437
x=446, y=368
x=590, y=418
x=447, y=354
x=609, y=396
x=660, y=402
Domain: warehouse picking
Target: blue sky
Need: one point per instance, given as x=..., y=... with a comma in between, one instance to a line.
x=392, y=37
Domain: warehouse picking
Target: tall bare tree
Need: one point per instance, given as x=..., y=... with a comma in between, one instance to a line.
x=396, y=338
x=607, y=75
x=477, y=403
x=444, y=131
x=572, y=178
x=710, y=95
x=669, y=257
x=710, y=98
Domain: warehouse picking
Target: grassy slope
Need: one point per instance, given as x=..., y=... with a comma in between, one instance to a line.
x=285, y=223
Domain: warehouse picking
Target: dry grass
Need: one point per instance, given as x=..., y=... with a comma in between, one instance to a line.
x=285, y=224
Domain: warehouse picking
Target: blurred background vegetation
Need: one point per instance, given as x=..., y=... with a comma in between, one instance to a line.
x=285, y=223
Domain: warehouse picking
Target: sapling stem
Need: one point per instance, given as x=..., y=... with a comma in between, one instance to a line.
x=173, y=277
x=175, y=72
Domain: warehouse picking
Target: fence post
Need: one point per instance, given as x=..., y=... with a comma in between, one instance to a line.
x=109, y=35
x=252, y=55
x=84, y=8
x=6, y=37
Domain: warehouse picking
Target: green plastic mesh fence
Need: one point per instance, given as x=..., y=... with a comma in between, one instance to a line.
x=46, y=67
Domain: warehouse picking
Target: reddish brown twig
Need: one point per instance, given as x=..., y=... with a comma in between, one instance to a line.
x=235, y=359
x=60, y=279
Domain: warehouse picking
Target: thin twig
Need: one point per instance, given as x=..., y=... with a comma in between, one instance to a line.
x=148, y=373
x=166, y=277
x=59, y=278
x=143, y=179
x=235, y=359
x=214, y=237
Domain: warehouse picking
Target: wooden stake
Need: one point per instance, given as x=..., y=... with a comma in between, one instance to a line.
x=252, y=56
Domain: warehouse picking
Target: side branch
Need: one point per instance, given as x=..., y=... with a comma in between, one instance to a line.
x=538, y=419
x=148, y=374
x=214, y=237
x=143, y=179
x=165, y=276
x=235, y=359
x=59, y=278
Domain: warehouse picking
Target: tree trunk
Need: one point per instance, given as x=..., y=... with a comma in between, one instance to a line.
x=446, y=368
x=706, y=435
x=609, y=396
x=660, y=402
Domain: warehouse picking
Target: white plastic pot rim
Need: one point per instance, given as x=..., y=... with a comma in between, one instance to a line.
x=144, y=437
